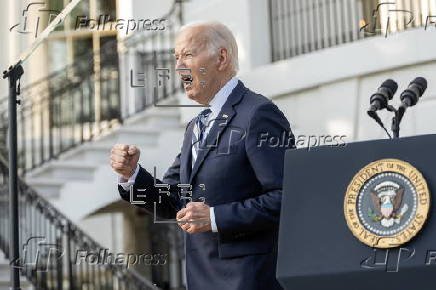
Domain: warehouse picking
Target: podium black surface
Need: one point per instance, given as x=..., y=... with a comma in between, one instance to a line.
x=317, y=250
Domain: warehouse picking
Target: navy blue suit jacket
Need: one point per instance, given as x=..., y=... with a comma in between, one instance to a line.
x=238, y=171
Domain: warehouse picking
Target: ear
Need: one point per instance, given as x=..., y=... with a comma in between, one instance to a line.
x=223, y=59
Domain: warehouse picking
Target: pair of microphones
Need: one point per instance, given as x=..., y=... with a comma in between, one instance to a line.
x=409, y=97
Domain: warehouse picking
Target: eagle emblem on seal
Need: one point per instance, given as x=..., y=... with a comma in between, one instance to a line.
x=387, y=198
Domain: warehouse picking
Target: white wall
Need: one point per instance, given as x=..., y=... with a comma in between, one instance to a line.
x=327, y=92
x=4, y=48
x=7, y=44
x=140, y=9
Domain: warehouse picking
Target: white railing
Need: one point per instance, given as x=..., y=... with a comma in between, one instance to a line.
x=302, y=26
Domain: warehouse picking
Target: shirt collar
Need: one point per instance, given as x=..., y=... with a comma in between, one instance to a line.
x=221, y=97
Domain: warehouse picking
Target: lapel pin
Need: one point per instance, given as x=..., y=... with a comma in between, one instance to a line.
x=225, y=116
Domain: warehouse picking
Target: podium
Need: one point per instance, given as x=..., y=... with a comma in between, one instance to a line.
x=318, y=248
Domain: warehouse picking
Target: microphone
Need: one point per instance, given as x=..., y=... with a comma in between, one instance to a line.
x=385, y=92
x=411, y=95
x=414, y=91
x=380, y=99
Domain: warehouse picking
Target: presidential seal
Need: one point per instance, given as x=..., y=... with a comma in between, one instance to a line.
x=386, y=203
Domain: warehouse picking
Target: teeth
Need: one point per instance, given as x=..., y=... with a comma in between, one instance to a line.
x=187, y=78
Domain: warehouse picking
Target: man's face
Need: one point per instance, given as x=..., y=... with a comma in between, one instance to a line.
x=191, y=53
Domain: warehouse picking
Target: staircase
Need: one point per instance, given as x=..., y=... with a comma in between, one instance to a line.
x=81, y=181
x=53, y=240
x=5, y=276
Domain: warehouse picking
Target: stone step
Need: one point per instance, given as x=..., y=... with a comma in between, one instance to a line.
x=65, y=171
x=97, y=152
x=130, y=135
x=46, y=187
x=156, y=117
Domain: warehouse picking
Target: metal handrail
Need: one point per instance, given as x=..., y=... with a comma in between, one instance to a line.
x=50, y=238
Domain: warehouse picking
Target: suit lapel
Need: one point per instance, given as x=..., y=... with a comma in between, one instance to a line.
x=185, y=159
x=223, y=119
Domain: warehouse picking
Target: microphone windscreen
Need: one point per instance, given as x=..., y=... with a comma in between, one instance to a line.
x=392, y=86
x=421, y=83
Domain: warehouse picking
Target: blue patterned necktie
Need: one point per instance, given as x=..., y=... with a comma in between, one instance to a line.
x=198, y=132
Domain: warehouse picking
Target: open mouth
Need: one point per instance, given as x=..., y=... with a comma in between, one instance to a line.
x=185, y=76
x=186, y=79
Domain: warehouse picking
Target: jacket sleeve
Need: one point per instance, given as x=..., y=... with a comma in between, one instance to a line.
x=262, y=211
x=148, y=190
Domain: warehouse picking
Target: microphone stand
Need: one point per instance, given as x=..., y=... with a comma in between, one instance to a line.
x=373, y=114
x=396, y=120
x=14, y=74
x=396, y=125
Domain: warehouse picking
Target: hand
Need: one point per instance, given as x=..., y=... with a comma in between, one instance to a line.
x=124, y=159
x=195, y=211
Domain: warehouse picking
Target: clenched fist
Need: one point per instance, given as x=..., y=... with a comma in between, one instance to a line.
x=124, y=159
x=198, y=213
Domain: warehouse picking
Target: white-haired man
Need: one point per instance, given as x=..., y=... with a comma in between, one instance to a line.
x=231, y=240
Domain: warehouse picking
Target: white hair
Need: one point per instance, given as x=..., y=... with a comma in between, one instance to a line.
x=218, y=36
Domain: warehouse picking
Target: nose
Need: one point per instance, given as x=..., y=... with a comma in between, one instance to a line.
x=180, y=64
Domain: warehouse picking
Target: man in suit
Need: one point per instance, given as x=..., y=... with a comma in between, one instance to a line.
x=231, y=212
